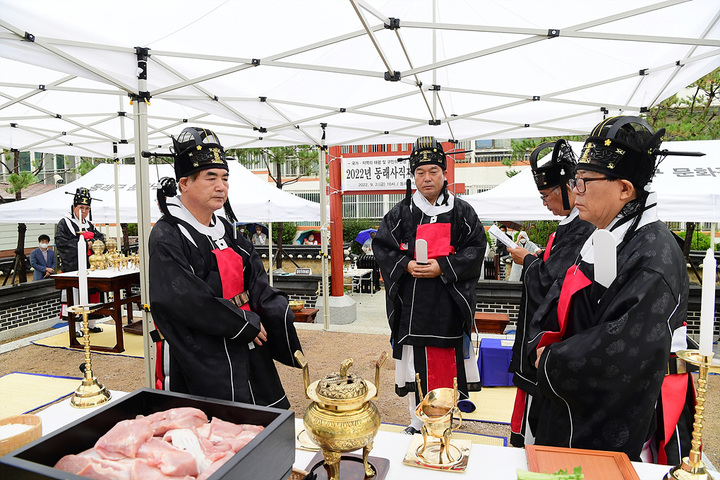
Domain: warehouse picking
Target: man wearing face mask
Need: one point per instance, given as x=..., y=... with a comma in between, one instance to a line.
x=42, y=259
x=524, y=242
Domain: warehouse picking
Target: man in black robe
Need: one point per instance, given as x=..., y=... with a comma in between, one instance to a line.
x=602, y=356
x=222, y=323
x=73, y=226
x=431, y=295
x=540, y=274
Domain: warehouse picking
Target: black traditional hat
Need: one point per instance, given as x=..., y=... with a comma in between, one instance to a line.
x=82, y=197
x=427, y=151
x=556, y=171
x=623, y=147
x=197, y=149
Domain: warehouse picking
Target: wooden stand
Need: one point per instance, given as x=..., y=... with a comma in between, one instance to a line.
x=491, y=322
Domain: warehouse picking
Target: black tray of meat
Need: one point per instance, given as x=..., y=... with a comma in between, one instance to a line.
x=177, y=436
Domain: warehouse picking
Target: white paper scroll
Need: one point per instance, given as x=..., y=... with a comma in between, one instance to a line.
x=502, y=237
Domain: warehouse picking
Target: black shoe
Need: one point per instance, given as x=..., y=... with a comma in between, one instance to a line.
x=95, y=329
x=410, y=430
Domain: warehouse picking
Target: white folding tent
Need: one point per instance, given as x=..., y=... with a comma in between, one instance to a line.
x=270, y=73
x=688, y=189
x=252, y=199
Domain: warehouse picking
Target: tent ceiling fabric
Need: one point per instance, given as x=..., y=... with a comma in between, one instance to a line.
x=269, y=73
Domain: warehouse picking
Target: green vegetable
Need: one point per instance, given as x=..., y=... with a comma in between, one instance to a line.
x=559, y=475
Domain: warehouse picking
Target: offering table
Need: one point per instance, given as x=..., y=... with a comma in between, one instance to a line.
x=107, y=280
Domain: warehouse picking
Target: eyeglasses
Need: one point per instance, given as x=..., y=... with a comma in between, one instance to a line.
x=544, y=196
x=578, y=183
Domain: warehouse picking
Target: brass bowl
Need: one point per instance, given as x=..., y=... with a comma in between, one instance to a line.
x=296, y=305
x=7, y=445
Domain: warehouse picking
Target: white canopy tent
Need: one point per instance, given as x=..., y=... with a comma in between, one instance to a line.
x=270, y=73
x=688, y=189
x=252, y=199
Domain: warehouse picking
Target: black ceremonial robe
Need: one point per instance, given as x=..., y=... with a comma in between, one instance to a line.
x=600, y=376
x=209, y=349
x=66, y=240
x=542, y=279
x=434, y=312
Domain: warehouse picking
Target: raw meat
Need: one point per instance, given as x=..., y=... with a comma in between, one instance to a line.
x=176, y=444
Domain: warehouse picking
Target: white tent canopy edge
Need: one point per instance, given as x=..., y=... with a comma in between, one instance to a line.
x=688, y=189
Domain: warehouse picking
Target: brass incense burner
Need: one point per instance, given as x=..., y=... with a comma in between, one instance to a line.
x=435, y=449
x=342, y=418
x=436, y=411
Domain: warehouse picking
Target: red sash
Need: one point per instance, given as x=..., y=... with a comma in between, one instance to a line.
x=441, y=367
x=437, y=236
x=516, y=421
x=574, y=281
x=546, y=255
x=673, y=393
x=230, y=265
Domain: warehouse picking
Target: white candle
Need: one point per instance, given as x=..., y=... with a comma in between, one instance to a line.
x=82, y=271
x=707, y=304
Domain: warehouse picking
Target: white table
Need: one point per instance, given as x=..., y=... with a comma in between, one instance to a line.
x=486, y=462
x=491, y=462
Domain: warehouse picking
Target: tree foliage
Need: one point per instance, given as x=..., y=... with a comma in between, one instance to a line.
x=700, y=241
x=303, y=156
x=692, y=115
x=20, y=181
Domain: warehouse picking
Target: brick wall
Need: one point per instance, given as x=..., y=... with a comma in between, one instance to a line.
x=26, y=304
x=30, y=313
x=495, y=296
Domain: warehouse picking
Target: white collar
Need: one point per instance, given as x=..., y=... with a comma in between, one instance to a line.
x=215, y=231
x=648, y=216
x=571, y=216
x=433, y=210
x=81, y=224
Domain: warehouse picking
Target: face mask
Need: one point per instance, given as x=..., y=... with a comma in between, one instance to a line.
x=43, y=246
x=522, y=241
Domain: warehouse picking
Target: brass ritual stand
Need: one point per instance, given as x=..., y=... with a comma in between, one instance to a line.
x=692, y=466
x=90, y=393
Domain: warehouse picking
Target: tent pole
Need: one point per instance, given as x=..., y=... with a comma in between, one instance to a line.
x=142, y=183
x=118, y=230
x=270, y=259
x=323, y=234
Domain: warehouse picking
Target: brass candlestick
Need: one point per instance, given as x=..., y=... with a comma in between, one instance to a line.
x=692, y=466
x=90, y=393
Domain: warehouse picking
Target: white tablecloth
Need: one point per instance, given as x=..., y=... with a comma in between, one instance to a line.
x=486, y=462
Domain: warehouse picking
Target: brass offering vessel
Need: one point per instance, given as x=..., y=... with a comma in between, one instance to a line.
x=111, y=245
x=342, y=418
x=97, y=259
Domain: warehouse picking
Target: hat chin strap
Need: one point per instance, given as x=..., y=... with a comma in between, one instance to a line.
x=445, y=193
x=565, y=196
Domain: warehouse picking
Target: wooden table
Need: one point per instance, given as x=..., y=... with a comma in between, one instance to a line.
x=105, y=281
x=306, y=315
